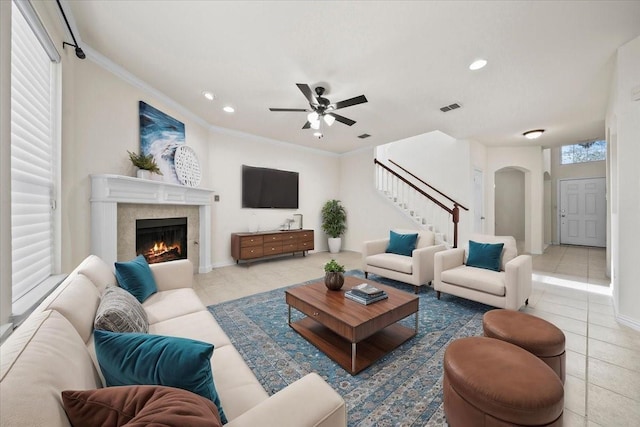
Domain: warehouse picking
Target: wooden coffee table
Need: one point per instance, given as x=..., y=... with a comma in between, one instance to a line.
x=352, y=334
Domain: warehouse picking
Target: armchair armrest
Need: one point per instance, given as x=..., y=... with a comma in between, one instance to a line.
x=373, y=247
x=308, y=402
x=518, y=281
x=446, y=260
x=423, y=262
x=173, y=274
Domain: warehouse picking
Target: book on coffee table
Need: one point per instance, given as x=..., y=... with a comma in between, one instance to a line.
x=365, y=300
x=366, y=290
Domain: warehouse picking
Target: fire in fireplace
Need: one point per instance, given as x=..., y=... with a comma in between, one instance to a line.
x=161, y=240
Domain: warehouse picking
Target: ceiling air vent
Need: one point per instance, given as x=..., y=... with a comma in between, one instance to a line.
x=364, y=135
x=450, y=107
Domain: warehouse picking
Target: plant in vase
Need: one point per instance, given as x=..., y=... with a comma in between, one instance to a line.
x=146, y=165
x=334, y=223
x=333, y=277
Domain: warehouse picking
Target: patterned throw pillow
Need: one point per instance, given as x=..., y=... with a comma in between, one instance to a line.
x=119, y=311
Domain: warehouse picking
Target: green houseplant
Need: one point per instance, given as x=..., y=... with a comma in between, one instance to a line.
x=333, y=277
x=144, y=163
x=334, y=223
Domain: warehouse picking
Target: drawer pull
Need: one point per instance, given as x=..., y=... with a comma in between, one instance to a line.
x=315, y=313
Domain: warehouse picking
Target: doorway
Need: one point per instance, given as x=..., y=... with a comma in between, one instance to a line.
x=582, y=213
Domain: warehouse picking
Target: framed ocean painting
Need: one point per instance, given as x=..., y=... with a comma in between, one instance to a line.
x=160, y=135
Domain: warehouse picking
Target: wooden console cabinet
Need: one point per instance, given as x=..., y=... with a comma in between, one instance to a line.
x=251, y=246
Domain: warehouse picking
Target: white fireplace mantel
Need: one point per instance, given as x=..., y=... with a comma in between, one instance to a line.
x=109, y=190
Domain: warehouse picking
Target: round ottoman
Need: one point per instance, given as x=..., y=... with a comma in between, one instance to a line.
x=535, y=335
x=488, y=382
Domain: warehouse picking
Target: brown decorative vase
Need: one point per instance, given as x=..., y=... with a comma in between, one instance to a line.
x=333, y=281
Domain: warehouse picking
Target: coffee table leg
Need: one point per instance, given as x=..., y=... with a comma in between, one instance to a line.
x=353, y=357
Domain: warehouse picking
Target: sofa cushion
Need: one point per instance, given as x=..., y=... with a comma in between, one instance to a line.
x=77, y=299
x=40, y=359
x=485, y=255
x=135, y=276
x=479, y=279
x=135, y=359
x=170, y=304
x=139, y=406
x=119, y=311
x=190, y=326
x=400, y=263
x=401, y=244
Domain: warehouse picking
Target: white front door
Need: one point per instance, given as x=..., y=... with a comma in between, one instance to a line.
x=478, y=201
x=583, y=212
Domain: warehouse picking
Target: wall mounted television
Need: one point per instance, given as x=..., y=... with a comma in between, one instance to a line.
x=269, y=188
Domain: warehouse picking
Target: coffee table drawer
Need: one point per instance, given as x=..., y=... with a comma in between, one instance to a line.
x=321, y=317
x=251, y=252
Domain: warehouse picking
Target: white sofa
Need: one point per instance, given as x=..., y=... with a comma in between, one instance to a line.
x=416, y=270
x=53, y=350
x=508, y=288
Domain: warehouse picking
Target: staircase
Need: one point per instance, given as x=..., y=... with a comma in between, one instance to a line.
x=428, y=207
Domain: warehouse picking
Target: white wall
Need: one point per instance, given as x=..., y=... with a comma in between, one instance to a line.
x=623, y=128
x=509, y=203
x=319, y=180
x=530, y=161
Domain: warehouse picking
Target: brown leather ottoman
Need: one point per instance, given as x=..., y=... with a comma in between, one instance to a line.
x=535, y=335
x=488, y=382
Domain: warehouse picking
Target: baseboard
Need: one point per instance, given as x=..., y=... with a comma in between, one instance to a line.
x=628, y=321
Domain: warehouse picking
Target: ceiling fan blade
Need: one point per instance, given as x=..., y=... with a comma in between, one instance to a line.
x=349, y=102
x=342, y=119
x=306, y=125
x=289, y=109
x=306, y=91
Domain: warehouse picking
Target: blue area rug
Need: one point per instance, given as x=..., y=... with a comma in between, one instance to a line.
x=402, y=388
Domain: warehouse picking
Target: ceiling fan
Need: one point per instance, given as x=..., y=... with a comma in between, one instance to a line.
x=322, y=108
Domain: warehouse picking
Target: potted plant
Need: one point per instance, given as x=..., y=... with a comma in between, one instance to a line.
x=334, y=218
x=333, y=277
x=146, y=165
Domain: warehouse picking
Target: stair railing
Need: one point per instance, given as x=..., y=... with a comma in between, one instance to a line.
x=396, y=178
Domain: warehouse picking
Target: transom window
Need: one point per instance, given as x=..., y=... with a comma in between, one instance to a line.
x=591, y=151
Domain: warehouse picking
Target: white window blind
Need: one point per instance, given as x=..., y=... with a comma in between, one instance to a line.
x=32, y=159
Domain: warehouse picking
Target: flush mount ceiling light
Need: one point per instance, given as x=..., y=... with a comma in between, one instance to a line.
x=229, y=109
x=533, y=134
x=477, y=64
x=209, y=95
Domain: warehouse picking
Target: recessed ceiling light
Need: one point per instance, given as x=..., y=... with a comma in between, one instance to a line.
x=533, y=134
x=229, y=109
x=477, y=64
x=209, y=95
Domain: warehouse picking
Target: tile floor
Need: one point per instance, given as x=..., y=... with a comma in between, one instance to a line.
x=570, y=290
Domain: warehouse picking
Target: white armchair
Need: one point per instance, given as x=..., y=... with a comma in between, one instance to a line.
x=508, y=288
x=416, y=270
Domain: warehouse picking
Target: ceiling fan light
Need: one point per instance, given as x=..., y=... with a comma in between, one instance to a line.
x=315, y=125
x=317, y=134
x=329, y=119
x=533, y=134
x=312, y=117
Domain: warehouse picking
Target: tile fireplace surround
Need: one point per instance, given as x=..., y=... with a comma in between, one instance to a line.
x=107, y=191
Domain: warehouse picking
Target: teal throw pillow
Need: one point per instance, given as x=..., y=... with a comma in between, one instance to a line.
x=485, y=255
x=401, y=244
x=143, y=359
x=135, y=276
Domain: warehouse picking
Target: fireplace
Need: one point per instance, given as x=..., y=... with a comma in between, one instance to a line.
x=161, y=240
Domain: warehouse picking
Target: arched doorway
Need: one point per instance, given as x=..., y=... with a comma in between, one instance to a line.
x=510, y=205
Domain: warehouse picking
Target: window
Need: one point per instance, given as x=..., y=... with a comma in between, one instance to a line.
x=34, y=154
x=582, y=152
